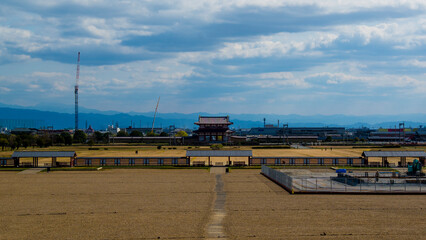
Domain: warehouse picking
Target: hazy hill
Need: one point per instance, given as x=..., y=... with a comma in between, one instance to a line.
x=100, y=120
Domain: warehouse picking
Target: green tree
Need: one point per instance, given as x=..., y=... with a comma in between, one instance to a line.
x=106, y=137
x=181, y=133
x=136, y=133
x=216, y=146
x=163, y=134
x=151, y=134
x=79, y=136
x=122, y=133
x=12, y=141
x=67, y=138
x=43, y=141
x=99, y=137
x=328, y=139
x=25, y=140
x=58, y=139
x=3, y=143
x=40, y=142
x=91, y=142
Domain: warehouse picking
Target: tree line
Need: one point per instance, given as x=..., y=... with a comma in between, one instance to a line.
x=25, y=140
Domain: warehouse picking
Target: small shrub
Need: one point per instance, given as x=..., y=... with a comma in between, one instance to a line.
x=216, y=146
x=159, y=147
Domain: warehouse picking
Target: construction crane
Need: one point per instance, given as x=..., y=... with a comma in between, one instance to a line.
x=155, y=114
x=76, y=91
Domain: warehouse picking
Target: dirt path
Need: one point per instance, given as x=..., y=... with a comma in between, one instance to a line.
x=215, y=227
x=31, y=171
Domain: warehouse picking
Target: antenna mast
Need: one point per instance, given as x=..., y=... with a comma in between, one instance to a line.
x=153, y=121
x=76, y=91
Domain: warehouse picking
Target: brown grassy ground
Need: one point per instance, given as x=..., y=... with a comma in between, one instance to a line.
x=176, y=204
x=259, y=209
x=115, y=204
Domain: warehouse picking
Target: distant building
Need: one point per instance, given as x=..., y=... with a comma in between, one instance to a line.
x=4, y=130
x=24, y=131
x=113, y=129
x=321, y=132
x=213, y=129
x=52, y=132
x=90, y=130
x=361, y=133
x=393, y=134
x=421, y=134
x=263, y=131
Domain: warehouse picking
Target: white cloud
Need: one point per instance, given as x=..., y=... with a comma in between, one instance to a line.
x=402, y=33
x=5, y=89
x=50, y=75
x=376, y=81
x=280, y=44
x=232, y=99
x=273, y=80
x=416, y=63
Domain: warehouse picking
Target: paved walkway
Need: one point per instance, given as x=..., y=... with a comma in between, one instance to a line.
x=218, y=170
x=215, y=227
x=31, y=171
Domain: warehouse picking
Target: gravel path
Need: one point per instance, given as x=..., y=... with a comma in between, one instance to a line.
x=215, y=227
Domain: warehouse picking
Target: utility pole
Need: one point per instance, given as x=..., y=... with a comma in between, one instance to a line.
x=403, y=131
x=76, y=91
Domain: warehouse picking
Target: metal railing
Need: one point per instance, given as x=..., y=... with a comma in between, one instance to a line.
x=349, y=185
x=279, y=177
x=346, y=183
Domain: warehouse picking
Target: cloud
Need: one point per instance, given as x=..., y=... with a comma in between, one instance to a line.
x=231, y=99
x=416, y=63
x=214, y=54
x=50, y=74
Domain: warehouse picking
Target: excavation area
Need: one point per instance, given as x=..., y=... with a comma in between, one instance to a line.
x=193, y=204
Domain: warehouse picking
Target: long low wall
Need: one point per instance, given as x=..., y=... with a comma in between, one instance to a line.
x=183, y=161
x=131, y=161
x=7, y=162
x=319, y=161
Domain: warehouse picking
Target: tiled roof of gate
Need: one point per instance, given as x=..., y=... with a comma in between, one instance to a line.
x=214, y=120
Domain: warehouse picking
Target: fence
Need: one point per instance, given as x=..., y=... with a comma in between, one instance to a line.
x=308, y=161
x=346, y=183
x=349, y=184
x=131, y=161
x=278, y=177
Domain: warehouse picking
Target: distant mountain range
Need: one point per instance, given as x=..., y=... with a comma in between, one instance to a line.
x=63, y=117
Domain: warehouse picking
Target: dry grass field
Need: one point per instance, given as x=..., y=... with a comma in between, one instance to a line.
x=116, y=204
x=177, y=204
x=259, y=209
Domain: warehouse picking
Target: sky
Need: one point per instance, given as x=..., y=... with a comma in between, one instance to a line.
x=219, y=56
